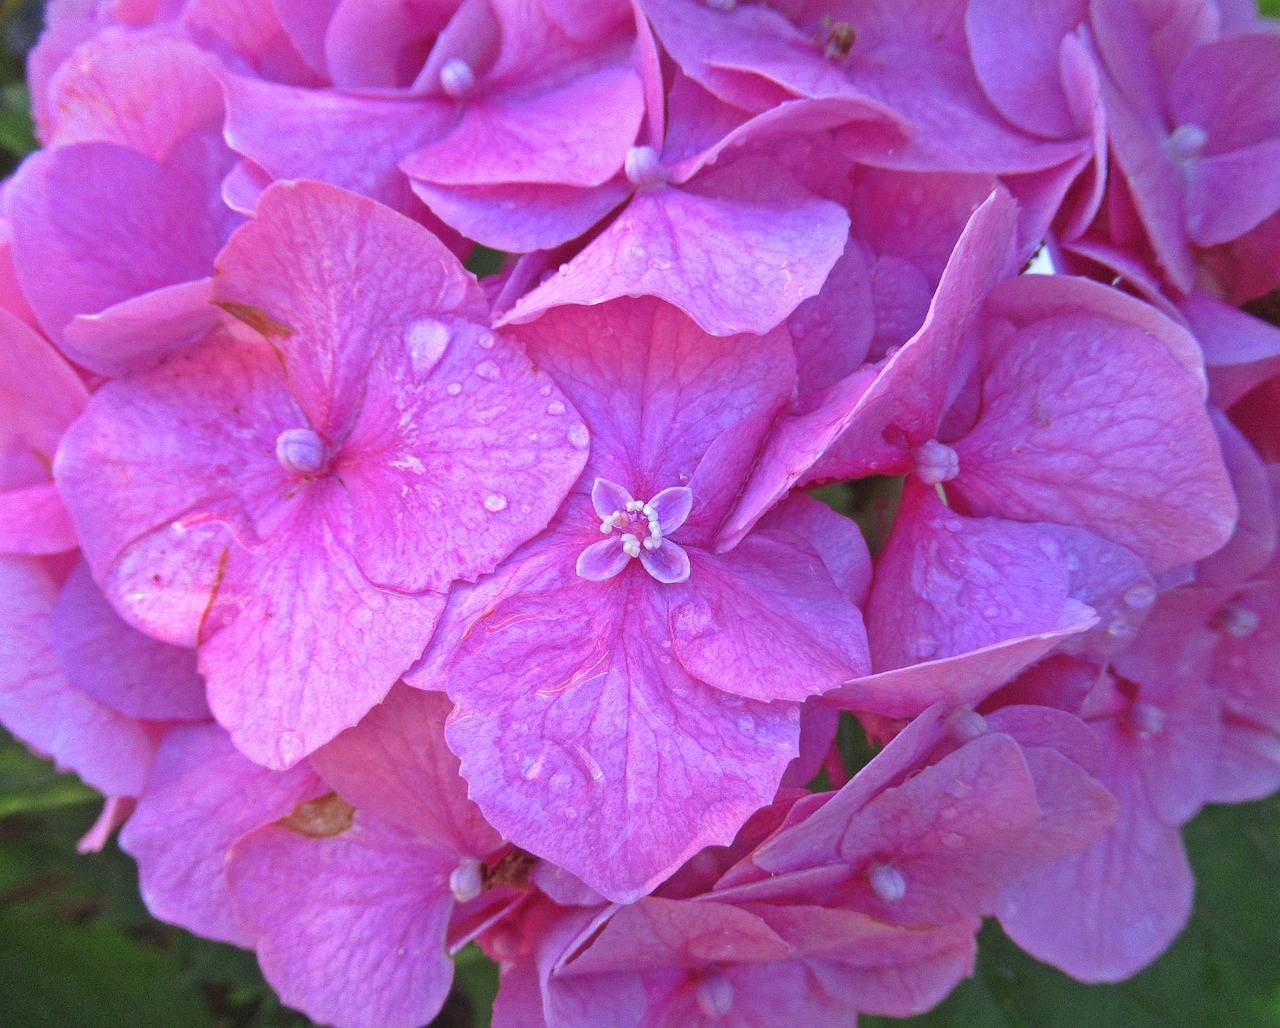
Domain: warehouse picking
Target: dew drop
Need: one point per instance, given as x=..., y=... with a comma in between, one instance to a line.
x=953, y=840
x=1147, y=718
x=487, y=370
x=1140, y=596
x=290, y=748
x=555, y=408
x=579, y=436
x=426, y=341
x=959, y=789
x=560, y=782
x=495, y=502
x=485, y=342
x=453, y=388
x=1072, y=561
x=1119, y=628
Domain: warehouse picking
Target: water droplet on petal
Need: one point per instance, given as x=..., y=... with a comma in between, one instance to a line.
x=1140, y=596
x=426, y=342
x=560, y=782
x=495, y=502
x=555, y=408
x=1072, y=561
x=579, y=436
x=453, y=388
x=487, y=370
x=290, y=748
x=959, y=789
x=1147, y=718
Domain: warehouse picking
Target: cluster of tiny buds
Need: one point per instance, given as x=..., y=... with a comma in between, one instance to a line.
x=630, y=542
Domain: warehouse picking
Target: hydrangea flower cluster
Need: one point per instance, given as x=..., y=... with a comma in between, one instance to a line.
x=394, y=610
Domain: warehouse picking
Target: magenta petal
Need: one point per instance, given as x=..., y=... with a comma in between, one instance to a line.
x=287, y=675
x=355, y=142
x=152, y=240
x=202, y=797
x=737, y=249
x=395, y=764
x=39, y=704
x=661, y=393
x=118, y=665
x=1254, y=541
x=585, y=742
x=33, y=521
x=601, y=561
x=669, y=563
x=946, y=585
x=1105, y=914
x=349, y=928
x=766, y=621
x=1015, y=53
x=559, y=136
x=1129, y=433
x=964, y=679
x=135, y=333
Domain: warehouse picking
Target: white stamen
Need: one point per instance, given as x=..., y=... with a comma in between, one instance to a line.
x=457, y=79
x=1186, y=142
x=715, y=995
x=643, y=167
x=630, y=545
x=937, y=462
x=301, y=451
x=967, y=724
x=466, y=881
x=1147, y=718
x=887, y=883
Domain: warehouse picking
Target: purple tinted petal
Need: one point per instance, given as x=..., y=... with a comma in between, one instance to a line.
x=672, y=507
x=201, y=798
x=586, y=742
x=349, y=928
x=609, y=498
x=601, y=561
x=669, y=563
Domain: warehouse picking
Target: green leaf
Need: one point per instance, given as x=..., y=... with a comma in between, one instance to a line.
x=17, y=134
x=1224, y=970
x=28, y=783
x=1271, y=8
x=475, y=977
x=483, y=261
x=57, y=975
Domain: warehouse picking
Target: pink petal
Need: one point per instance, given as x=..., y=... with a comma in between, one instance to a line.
x=765, y=621
x=34, y=521
x=736, y=248
x=395, y=764
x=1128, y=432
x=41, y=707
x=118, y=665
x=202, y=797
x=946, y=585
x=588, y=768
x=351, y=141
x=349, y=928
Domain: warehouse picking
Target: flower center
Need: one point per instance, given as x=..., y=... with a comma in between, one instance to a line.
x=637, y=529
x=301, y=451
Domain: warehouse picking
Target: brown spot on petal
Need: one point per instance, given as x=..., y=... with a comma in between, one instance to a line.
x=257, y=319
x=321, y=818
x=511, y=868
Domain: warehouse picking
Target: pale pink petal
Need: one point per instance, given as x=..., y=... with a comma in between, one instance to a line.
x=350, y=927
x=202, y=797
x=604, y=741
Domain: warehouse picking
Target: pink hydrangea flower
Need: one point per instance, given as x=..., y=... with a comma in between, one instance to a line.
x=367, y=444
